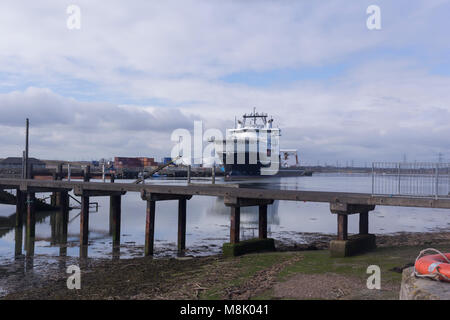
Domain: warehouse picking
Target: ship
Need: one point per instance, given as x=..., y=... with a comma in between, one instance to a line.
x=251, y=149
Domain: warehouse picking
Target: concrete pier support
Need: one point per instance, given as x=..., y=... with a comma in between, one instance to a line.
x=346, y=245
x=151, y=199
x=262, y=243
x=115, y=212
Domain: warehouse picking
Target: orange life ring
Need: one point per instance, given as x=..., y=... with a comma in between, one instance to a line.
x=434, y=264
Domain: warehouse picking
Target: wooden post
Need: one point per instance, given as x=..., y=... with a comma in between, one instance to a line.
x=53, y=199
x=84, y=221
x=18, y=234
x=150, y=228
x=263, y=221
x=54, y=196
x=27, y=166
x=235, y=224
x=342, y=226
x=181, y=225
x=31, y=223
x=364, y=222
x=84, y=217
x=58, y=177
x=53, y=228
x=83, y=255
x=20, y=207
x=111, y=218
x=115, y=215
x=63, y=223
x=87, y=173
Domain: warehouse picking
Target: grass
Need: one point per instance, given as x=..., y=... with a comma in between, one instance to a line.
x=320, y=262
x=244, y=268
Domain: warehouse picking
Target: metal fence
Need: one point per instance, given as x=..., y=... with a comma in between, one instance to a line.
x=418, y=179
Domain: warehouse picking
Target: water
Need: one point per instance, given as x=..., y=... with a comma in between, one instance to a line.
x=208, y=221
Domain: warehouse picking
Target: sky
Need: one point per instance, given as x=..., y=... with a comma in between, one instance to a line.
x=137, y=70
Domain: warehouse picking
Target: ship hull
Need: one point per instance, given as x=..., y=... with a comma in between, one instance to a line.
x=241, y=173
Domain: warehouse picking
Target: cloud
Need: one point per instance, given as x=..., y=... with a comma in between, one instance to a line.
x=133, y=73
x=65, y=127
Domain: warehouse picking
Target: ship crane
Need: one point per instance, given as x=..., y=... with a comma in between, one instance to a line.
x=151, y=173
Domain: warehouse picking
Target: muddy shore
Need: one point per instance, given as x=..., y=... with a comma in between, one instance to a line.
x=293, y=272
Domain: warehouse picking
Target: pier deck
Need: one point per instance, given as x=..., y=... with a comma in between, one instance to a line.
x=341, y=203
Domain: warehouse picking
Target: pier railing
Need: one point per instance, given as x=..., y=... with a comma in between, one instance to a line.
x=414, y=179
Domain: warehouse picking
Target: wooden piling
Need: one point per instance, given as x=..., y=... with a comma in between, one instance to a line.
x=364, y=222
x=18, y=235
x=64, y=214
x=262, y=222
x=54, y=219
x=57, y=177
x=62, y=220
x=20, y=207
x=83, y=255
x=150, y=228
x=84, y=221
x=87, y=173
x=111, y=218
x=31, y=223
x=235, y=220
x=115, y=216
x=342, y=226
x=181, y=225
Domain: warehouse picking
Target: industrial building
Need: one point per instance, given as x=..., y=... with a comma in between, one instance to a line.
x=16, y=163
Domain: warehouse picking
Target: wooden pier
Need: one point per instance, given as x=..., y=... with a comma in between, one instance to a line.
x=341, y=203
